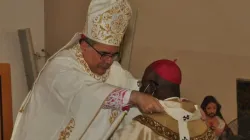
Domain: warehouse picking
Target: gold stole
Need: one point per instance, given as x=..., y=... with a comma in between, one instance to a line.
x=170, y=131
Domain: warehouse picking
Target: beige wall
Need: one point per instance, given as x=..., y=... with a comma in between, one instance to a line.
x=209, y=38
x=63, y=18
x=15, y=15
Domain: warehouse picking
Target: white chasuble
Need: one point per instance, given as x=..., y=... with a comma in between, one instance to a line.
x=66, y=100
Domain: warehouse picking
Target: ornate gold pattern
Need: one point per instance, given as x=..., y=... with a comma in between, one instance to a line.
x=168, y=133
x=109, y=26
x=64, y=135
x=83, y=64
x=113, y=116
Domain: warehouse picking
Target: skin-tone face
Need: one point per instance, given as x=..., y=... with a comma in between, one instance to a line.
x=97, y=64
x=211, y=109
x=155, y=85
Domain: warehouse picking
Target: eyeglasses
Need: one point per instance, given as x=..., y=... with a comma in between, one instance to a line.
x=151, y=86
x=104, y=55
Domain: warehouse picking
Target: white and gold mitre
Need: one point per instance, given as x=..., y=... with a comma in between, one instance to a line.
x=107, y=21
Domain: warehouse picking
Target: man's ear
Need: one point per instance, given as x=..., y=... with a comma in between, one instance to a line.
x=83, y=45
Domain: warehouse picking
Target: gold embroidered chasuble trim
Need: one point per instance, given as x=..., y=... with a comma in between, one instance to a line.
x=83, y=64
x=168, y=133
x=114, y=114
x=68, y=130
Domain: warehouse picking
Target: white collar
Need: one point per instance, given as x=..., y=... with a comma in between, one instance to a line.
x=175, y=110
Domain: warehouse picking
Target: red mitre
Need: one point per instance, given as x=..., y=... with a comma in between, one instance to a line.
x=167, y=70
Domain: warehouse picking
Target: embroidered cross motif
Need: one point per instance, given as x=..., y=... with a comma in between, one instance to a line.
x=185, y=118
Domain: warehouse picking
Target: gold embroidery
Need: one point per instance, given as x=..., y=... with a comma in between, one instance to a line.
x=168, y=133
x=83, y=64
x=114, y=114
x=68, y=130
x=109, y=26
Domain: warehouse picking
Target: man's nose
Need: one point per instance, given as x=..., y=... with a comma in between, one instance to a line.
x=109, y=60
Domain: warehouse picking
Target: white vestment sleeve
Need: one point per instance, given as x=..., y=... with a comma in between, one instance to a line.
x=122, y=78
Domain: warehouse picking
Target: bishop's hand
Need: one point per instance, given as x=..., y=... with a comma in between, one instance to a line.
x=146, y=103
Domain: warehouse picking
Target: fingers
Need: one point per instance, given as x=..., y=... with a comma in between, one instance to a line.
x=148, y=104
x=147, y=109
x=155, y=106
x=158, y=106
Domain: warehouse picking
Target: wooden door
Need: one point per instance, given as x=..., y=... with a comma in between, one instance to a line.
x=6, y=121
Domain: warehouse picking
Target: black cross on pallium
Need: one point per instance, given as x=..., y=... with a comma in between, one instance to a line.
x=185, y=117
x=185, y=138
